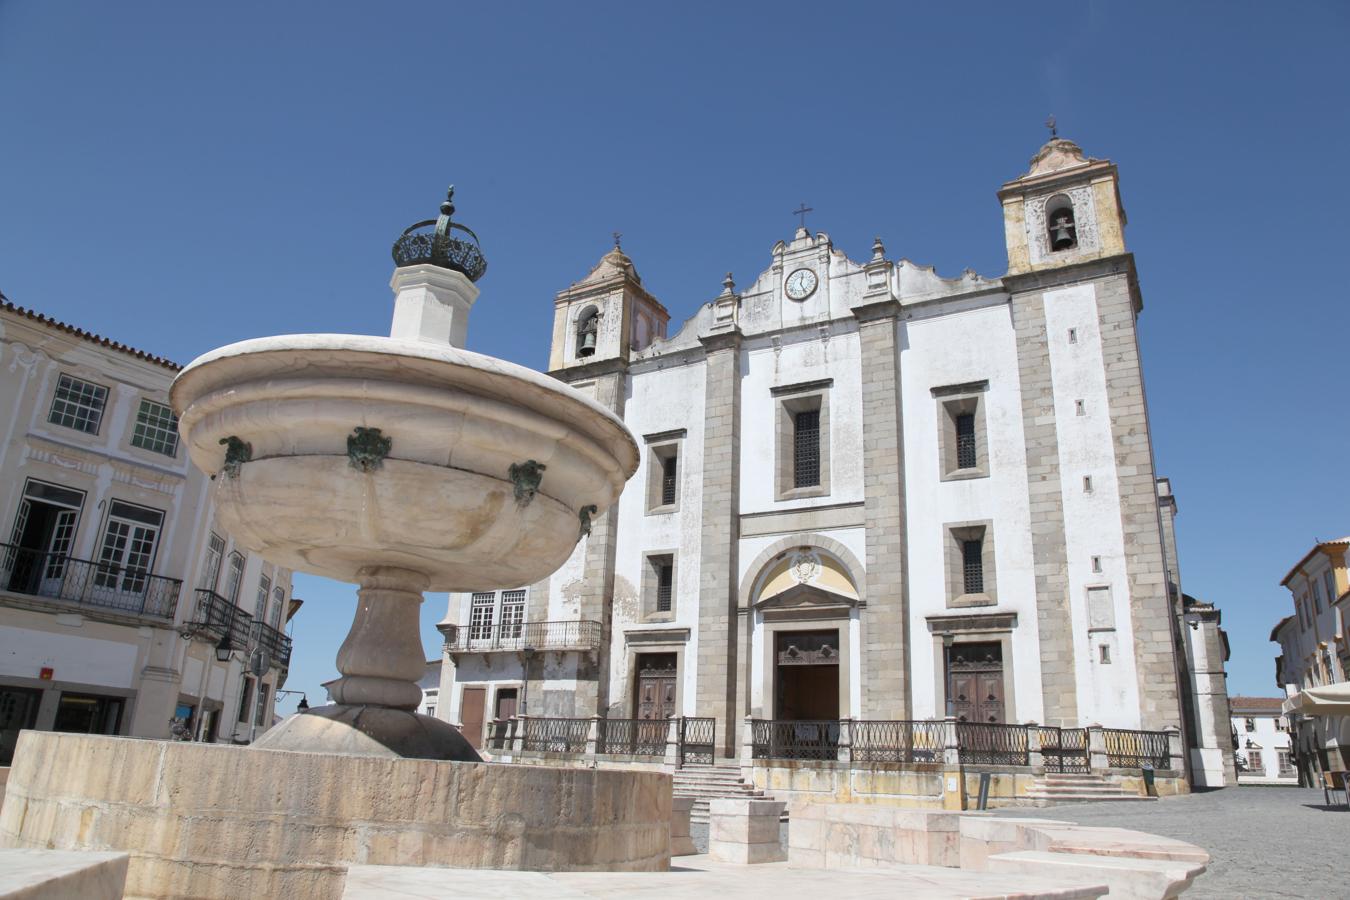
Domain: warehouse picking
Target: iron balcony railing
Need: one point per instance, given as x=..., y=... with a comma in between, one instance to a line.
x=214, y=617
x=1137, y=749
x=898, y=741
x=571, y=635
x=695, y=736
x=276, y=643
x=993, y=744
x=103, y=585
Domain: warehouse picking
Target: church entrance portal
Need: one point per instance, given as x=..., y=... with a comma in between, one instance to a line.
x=806, y=676
x=655, y=686
x=975, y=682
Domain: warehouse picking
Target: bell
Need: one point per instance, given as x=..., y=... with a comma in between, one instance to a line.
x=1061, y=233
x=587, y=343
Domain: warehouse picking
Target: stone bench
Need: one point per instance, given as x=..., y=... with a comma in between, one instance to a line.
x=62, y=874
x=830, y=836
x=1128, y=877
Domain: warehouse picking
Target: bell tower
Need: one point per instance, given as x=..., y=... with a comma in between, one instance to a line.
x=1065, y=210
x=608, y=315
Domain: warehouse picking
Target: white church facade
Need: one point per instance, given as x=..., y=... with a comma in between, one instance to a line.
x=866, y=492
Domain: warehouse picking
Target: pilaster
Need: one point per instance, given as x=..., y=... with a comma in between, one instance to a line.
x=719, y=633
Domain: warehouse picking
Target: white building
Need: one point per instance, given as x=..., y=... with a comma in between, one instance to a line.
x=867, y=492
x=1315, y=655
x=115, y=590
x=1263, y=749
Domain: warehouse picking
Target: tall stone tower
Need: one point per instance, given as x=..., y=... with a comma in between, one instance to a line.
x=1075, y=299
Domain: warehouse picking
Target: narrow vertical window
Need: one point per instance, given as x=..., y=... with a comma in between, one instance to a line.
x=1073, y=335
x=480, y=616
x=1087, y=484
x=215, y=552
x=668, y=476
x=233, y=577
x=260, y=605
x=1105, y=651
x=1097, y=565
x=806, y=448
x=1079, y=408
x=965, y=441
x=972, y=566
x=513, y=614
x=665, y=577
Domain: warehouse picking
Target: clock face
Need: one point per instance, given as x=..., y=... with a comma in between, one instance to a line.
x=801, y=284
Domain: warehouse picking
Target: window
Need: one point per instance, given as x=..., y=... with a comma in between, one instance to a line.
x=1329, y=578
x=1104, y=651
x=78, y=404
x=156, y=428
x=1249, y=723
x=1073, y=335
x=963, y=445
x=1317, y=597
x=1087, y=484
x=1254, y=761
x=663, y=471
x=1059, y=222
x=513, y=614
x=128, y=549
x=1101, y=610
x=658, y=587
x=806, y=449
x=965, y=441
x=1079, y=408
x=972, y=564
x=802, y=440
x=260, y=606
x=215, y=552
x=260, y=714
x=1281, y=724
x=234, y=577
x=1286, y=763
x=481, y=609
x=278, y=601
x=1096, y=565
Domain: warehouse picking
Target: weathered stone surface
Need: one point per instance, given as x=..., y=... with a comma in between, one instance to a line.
x=681, y=844
x=61, y=875
x=202, y=820
x=1137, y=879
x=745, y=831
x=865, y=836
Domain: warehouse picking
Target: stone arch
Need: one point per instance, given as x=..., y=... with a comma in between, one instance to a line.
x=779, y=548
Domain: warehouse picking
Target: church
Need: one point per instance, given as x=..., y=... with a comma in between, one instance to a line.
x=866, y=492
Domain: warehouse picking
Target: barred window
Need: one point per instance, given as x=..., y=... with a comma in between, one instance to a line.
x=668, y=469
x=972, y=566
x=513, y=613
x=78, y=404
x=806, y=449
x=965, y=441
x=665, y=577
x=156, y=428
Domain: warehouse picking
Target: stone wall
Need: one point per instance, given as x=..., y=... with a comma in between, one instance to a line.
x=212, y=821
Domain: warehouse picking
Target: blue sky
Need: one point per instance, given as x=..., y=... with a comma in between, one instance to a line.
x=178, y=176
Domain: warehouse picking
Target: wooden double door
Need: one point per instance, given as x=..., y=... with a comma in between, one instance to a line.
x=975, y=682
x=656, y=687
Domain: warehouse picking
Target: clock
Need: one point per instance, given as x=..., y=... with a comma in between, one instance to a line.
x=801, y=284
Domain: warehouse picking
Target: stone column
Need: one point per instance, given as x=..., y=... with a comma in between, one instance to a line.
x=1035, y=758
x=518, y=745
x=681, y=844
x=953, y=775
x=1096, y=741
x=672, y=757
x=887, y=687
x=719, y=635
x=748, y=743
x=844, y=751
x=592, y=738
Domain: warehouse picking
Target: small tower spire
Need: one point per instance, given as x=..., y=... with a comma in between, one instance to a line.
x=1050, y=123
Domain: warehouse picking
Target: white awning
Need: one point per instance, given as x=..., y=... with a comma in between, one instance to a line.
x=1328, y=700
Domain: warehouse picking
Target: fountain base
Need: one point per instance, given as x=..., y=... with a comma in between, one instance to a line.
x=369, y=731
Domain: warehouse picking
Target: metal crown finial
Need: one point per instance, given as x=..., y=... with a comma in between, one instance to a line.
x=449, y=244
x=448, y=207
x=1050, y=123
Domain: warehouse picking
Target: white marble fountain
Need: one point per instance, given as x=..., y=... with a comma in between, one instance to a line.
x=403, y=464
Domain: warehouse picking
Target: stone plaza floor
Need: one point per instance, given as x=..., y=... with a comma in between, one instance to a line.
x=1262, y=841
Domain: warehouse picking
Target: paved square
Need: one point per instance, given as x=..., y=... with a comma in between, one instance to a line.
x=1263, y=841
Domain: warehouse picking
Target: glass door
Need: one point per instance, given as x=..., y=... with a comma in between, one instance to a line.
x=128, y=550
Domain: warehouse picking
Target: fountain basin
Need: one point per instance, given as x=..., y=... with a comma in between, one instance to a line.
x=442, y=502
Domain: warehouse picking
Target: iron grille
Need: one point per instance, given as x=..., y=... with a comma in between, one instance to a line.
x=698, y=736
x=555, y=735
x=1064, y=749
x=583, y=635
x=1137, y=749
x=992, y=744
x=668, y=469
x=899, y=741
x=796, y=739
x=806, y=449
x=107, y=585
x=965, y=441
x=664, y=578
x=972, y=566
x=632, y=737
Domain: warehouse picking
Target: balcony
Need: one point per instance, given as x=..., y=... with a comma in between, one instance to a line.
x=87, y=583
x=582, y=636
x=276, y=643
x=214, y=616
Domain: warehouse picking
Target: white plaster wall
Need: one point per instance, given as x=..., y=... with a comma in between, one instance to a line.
x=481, y=670
x=1107, y=694
x=660, y=400
x=801, y=356
x=959, y=348
x=1268, y=739
x=75, y=659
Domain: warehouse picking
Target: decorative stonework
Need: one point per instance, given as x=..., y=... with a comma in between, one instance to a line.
x=1085, y=225
x=367, y=448
x=237, y=452
x=804, y=566
x=526, y=478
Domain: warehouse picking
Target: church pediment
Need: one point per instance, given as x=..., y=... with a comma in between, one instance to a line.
x=808, y=598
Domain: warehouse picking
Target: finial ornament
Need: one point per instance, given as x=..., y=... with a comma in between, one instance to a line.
x=1050, y=123
x=728, y=286
x=802, y=211
x=618, y=236
x=878, y=248
x=449, y=244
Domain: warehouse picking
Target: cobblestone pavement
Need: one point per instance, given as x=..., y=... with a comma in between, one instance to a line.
x=1262, y=841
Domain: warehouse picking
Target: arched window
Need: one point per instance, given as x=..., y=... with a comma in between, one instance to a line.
x=587, y=326
x=1059, y=222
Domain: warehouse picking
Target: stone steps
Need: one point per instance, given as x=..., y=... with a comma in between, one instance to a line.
x=705, y=783
x=1077, y=787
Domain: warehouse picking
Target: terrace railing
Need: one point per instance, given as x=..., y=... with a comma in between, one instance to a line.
x=1137, y=749
x=276, y=643
x=88, y=583
x=796, y=739
x=632, y=737
x=698, y=739
x=897, y=741
x=554, y=735
x=583, y=635
x=1065, y=749
x=214, y=616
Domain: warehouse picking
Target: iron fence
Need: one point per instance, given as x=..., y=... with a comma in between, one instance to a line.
x=993, y=744
x=570, y=635
x=795, y=739
x=105, y=585
x=214, y=616
x=555, y=735
x=898, y=741
x=1137, y=749
x=1064, y=749
x=276, y=643
x=634, y=737
x=698, y=739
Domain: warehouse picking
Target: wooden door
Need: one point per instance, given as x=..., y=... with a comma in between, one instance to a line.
x=656, y=686
x=471, y=715
x=506, y=704
x=975, y=682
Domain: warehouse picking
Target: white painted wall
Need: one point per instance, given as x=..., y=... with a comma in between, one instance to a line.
x=1268, y=739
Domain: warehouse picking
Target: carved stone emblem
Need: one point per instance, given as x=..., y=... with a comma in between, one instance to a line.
x=367, y=448
x=237, y=452
x=526, y=478
x=805, y=566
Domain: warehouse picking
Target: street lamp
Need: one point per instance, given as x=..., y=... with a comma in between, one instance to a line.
x=303, y=704
x=224, y=648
